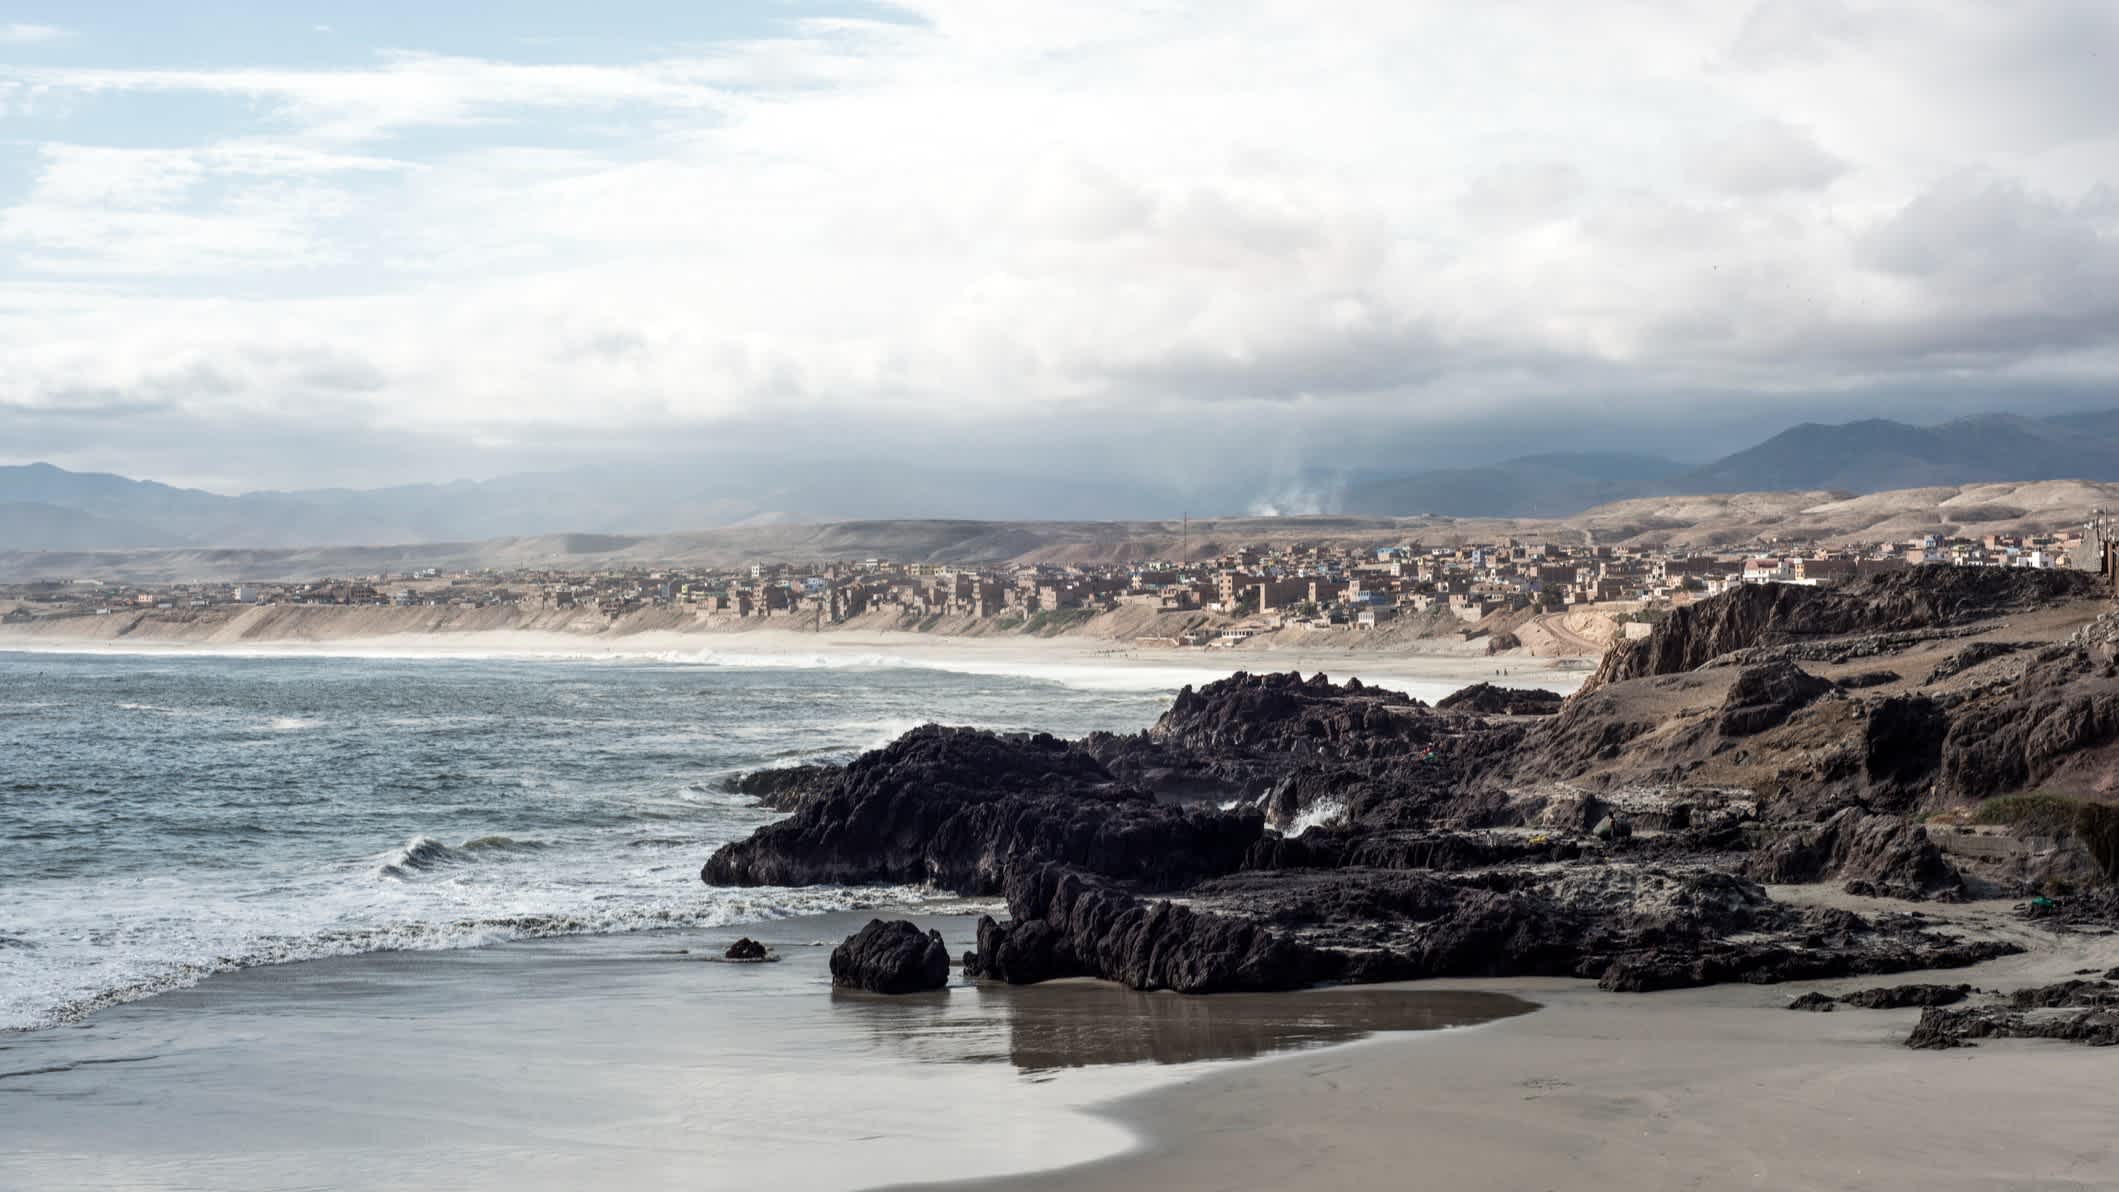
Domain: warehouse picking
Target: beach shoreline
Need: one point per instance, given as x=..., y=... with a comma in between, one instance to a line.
x=632, y=1061
x=1715, y=1087
x=1430, y=671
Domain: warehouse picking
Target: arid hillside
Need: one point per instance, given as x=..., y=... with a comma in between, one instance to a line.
x=1715, y=520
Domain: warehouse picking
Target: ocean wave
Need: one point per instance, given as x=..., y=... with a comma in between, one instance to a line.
x=293, y=724
x=1316, y=815
x=424, y=853
x=724, y=908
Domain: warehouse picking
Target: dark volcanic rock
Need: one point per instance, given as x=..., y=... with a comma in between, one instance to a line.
x=1766, y=696
x=1411, y=848
x=1866, y=679
x=1945, y=1028
x=745, y=949
x=894, y=957
x=953, y=806
x=1065, y=924
x=2064, y=710
x=1822, y=1003
x=1634, y=928
x=1485, y=699
x=1898, y=997
x=1288, y=714
x=1769, y=614
x=1878, y=855
x=785, y=788
x=1902, y=744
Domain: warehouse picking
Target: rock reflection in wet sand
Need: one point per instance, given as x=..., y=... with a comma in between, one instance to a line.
x=1076, y=1024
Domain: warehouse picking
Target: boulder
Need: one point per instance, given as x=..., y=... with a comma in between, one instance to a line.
x=746, y=949
x=893, y=957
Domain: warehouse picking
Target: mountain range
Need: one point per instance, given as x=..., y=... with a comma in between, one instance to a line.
x=1868, y=456
x=46, y=508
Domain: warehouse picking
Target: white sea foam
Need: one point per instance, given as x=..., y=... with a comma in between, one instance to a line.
x=1316, y=815
x=65, y=966
x=1068, y=662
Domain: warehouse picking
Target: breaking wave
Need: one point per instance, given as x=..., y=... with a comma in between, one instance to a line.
x=718, y=908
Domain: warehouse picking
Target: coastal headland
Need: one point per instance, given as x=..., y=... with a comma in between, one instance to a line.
x=1779, y=790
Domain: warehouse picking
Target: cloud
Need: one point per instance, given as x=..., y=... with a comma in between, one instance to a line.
x=18, y=34
x=1096, y=212
x=1766, y=157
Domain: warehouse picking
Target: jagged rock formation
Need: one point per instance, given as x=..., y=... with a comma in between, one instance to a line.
x=783, y=789
x=951, y=806
x=1632, y=928
x=1766, y=696
x=2084, y=1012
x=1485, y=699
x=894, y=957
x=1891, y=997
x=1769, y=614
x=1873, y=854
x=1276, y=830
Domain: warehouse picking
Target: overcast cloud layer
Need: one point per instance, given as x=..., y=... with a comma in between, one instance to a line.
x=296, y=252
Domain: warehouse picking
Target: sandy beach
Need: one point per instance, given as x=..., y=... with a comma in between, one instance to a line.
x=1426, y=668
x=626, y=1062
x=1712, y=1088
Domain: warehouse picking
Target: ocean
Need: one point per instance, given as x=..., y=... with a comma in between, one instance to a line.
x=163, y=818
x=342, y=921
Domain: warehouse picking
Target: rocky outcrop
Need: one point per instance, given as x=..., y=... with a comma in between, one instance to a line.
x=952, y=807
x=1899, y=997
x=2084, y=1012
x=1892, y=997
x=1902, y=747
x=1289, y=715
x=1875, y=855
x=2061, y=716
x=746, y=949
x=1630, y=928
x=1756, y=615
x=1766, y=696
x=1066, y=924
x=1271, y=831
x=894, y=957
x=783, y=789
x=1973, y=655
x=1485, y=699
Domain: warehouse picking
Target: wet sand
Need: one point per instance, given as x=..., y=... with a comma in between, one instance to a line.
x=625, y=1062
x=1718, y=1088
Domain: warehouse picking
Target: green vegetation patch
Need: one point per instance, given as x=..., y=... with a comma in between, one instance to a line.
x=1052, y=620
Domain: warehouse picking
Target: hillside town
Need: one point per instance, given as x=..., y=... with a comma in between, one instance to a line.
x=1467, y=590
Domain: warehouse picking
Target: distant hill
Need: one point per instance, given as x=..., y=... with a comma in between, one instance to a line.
x=1873, y=455
x=1551, y=485
x=1878, y=454
x=1684, y=520
x=60, y=509
x=45, y=508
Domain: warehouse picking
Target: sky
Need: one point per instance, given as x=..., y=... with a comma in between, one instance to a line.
x=285, y=244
